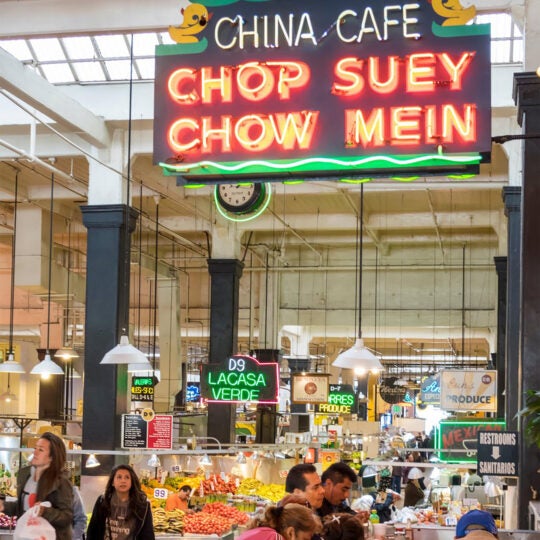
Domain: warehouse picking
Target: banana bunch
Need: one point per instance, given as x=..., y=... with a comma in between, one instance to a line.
x=272, y=492
x=168, y=522
x=249, y=486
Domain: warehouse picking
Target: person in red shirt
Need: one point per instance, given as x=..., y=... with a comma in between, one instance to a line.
x=179, y=500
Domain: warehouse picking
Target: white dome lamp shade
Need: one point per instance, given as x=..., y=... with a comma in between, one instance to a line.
x=125, y=353
x=11, y=366
x=358, y=357
x=47, y=367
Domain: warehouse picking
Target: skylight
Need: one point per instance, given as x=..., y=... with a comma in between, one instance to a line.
x=86, y=59
x=102, y=58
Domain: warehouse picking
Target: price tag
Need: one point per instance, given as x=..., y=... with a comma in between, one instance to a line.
x=160, y=493
x=147, y=414
x=176, y=468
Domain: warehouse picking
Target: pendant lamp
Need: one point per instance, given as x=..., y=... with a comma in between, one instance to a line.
x=359, y=357
x=125, y=353
x=92, y=462
x=47, y=367
x=10, y=365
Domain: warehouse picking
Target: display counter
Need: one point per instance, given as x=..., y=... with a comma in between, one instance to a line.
x=448, y=533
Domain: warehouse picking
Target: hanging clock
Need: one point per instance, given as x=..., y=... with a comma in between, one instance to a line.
x=240, y=198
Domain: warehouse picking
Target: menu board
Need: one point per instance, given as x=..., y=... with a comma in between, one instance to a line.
x=134, y=430
x=154, y=433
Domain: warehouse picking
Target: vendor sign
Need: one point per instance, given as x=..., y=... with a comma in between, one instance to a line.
x=354, y=88
x=469, y=390
x=240, y=379
x=458, y=440
x=341, y=400
x=430, y=390
x=309, y=388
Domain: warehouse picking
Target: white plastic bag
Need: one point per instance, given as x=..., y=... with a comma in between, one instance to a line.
x=31, y=526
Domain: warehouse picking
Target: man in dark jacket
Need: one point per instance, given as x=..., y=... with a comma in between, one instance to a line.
x=337, y=482
x=304, y=480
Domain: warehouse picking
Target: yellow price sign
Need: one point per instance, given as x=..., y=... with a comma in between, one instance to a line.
x=148, y=414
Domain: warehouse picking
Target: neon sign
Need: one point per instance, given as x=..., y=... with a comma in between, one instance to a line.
x=358, y=88
x=240, y=379
x=458, y=440
x=341, y=399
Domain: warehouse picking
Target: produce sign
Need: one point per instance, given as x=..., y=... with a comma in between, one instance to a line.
x=240, y=379
x=458, y=441
x=354, y=88
x=341, y=399
x=469, y=390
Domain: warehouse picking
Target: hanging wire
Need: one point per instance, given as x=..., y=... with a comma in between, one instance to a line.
x=154, y=337
x=50, y=263
x=360, y=259
x=139, y=280
x=68, y=277
x=463, y=306
x=376, y=299
x=13, y=244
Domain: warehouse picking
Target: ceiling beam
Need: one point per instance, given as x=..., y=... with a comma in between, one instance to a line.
x=32, y=89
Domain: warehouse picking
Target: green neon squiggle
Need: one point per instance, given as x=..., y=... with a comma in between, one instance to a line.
x=244, y=165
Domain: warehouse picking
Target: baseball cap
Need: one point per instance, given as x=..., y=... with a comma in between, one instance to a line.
x=475, y=520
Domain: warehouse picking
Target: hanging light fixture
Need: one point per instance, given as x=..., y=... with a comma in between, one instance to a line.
x=205, y=460
x=47, y=367
x=359, y=357
x=10, y=365
x=92, y=462
x=124, y=353
x=154, y=461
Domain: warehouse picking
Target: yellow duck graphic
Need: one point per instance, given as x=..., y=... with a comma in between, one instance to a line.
x=196, y=17
x=454, y=13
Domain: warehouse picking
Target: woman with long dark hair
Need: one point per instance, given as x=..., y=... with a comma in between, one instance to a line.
x=45, y=480
x=123, y=511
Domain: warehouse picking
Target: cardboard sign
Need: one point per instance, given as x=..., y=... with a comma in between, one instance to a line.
x=469, y=390
x=309, y=388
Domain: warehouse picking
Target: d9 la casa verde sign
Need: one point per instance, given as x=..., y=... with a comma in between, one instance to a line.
x=240, y=379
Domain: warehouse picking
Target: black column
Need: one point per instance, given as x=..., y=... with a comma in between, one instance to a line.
x=224, y=291
x=512, y=208
x=266, y=421
x=527, y=98
x=107, y=316
x=500, y=267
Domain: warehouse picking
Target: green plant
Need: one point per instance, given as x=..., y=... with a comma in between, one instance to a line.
x=531, y=414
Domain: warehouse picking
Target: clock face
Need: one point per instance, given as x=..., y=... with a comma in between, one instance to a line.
x=240, y=198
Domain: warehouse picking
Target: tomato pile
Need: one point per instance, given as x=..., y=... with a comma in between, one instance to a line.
x=204, y=523
x=216, y=484
x=226, y=511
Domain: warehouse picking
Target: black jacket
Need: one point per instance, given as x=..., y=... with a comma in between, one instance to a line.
x=144, y=529
x=328, y=508
x=60, y=515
